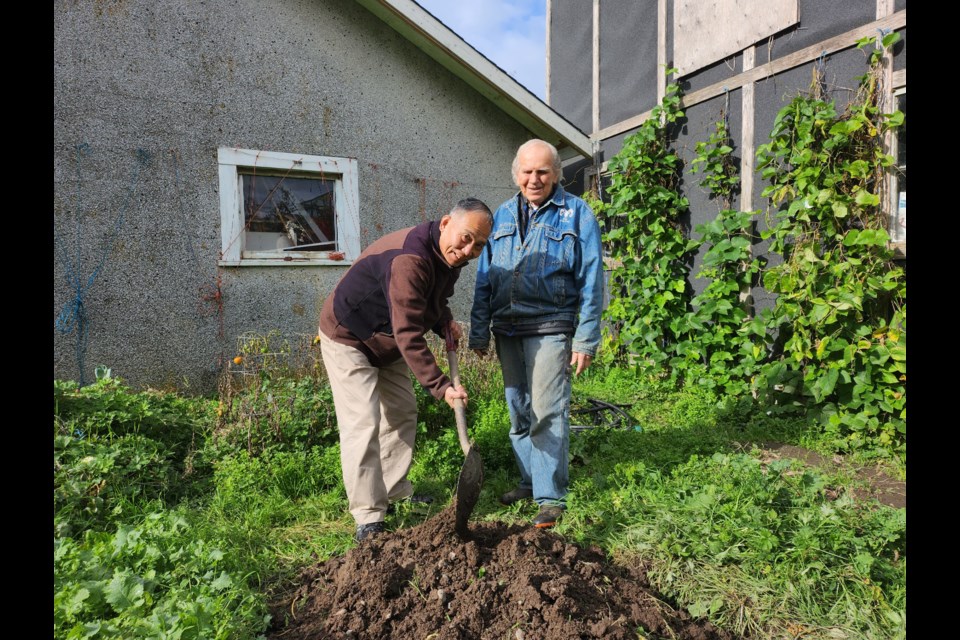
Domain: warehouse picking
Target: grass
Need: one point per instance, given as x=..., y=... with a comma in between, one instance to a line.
x=766, y=548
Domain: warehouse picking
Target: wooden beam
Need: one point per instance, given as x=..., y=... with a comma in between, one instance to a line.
x=831, y=45
x=747, y=144
x=747, y=152
x=889, y=205
x=899, y=79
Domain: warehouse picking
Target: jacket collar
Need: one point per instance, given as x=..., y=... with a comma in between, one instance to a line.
x=435, y=245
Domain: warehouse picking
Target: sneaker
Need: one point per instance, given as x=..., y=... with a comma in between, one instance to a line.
x=548, y=516
x=518, y=494
x=364, y=531
x=414, y=500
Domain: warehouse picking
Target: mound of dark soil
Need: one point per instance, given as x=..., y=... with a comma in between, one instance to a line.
x=506, y=582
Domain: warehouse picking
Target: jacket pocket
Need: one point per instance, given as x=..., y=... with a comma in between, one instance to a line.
x=502, y=244
x=505, y=229
x=383, y=346
x=559, y=249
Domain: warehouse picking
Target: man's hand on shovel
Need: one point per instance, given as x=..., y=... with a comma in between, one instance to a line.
x=456, y=392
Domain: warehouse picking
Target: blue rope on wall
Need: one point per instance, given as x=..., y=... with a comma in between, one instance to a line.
x=183, y=214
x=73, y=316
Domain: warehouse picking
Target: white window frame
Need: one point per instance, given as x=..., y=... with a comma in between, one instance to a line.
x=346, y=200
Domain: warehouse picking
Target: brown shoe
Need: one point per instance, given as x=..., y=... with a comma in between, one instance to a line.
x=518, y=494
x=548, y=516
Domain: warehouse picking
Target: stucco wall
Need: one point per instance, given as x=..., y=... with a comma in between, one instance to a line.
x=144, y=94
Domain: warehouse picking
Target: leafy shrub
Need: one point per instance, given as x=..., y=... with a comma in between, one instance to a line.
x=276, y=410
x=645, y=235
x=115, y=448
x=93, y=479
x=109, y=408
x=154, y=579
x=833, y=346
x=490, y=425
x=242, y=480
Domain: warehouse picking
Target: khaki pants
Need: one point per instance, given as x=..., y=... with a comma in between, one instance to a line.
x=377, y=419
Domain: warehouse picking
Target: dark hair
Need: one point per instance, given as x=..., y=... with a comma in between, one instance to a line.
x=472, y=205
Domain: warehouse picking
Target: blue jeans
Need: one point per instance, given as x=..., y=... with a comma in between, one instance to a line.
x=536, y=376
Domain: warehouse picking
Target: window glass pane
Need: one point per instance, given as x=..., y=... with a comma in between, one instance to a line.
x=902, y=132
x=288, y=212
x=900, y=232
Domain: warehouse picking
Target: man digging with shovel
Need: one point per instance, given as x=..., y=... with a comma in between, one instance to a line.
x=372, y=330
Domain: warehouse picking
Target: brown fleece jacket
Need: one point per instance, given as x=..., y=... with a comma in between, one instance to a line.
x=394, y=293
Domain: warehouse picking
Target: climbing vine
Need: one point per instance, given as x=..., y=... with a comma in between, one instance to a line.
x=716, y=344
x=840, y=311
x=833, y=344
x=646, y=241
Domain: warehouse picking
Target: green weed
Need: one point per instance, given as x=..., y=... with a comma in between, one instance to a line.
x=763, y=548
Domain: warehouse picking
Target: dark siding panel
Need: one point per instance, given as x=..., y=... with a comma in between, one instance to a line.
x=699, y=125
x=900, y=51
x=628, y=59
x=571, y=61
x=819, y=20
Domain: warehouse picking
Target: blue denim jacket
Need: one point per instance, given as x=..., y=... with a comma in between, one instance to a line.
x=554, y=275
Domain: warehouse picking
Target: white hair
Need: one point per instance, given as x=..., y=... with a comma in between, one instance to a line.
x=554, y=154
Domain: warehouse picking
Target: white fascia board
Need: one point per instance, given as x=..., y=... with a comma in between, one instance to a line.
x=443, y=45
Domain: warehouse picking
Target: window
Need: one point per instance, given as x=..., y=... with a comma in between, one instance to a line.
x=287, y=209
x=898, y=228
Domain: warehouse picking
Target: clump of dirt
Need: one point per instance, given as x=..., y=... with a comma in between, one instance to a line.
x=506, y=582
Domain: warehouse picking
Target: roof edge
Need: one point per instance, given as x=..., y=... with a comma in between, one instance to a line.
x=439, y=42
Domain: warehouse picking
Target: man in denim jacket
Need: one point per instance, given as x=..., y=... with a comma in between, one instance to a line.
x=540, y=288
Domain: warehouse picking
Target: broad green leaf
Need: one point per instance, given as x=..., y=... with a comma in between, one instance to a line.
x=872, y=237
x=809, y=256
x=123, y=592
x=845, y=126
x=822, y=346
x=76, y=601
x=866, y=199
x=829, y=381
x=889, y=378
x=820, y=311
x=224, y=581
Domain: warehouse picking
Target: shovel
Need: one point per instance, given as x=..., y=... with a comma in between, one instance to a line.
x=471, y=473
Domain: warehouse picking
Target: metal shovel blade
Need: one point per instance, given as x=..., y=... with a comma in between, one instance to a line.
x=468, y=489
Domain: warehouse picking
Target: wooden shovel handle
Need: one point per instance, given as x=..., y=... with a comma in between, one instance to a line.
x=459, y=408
